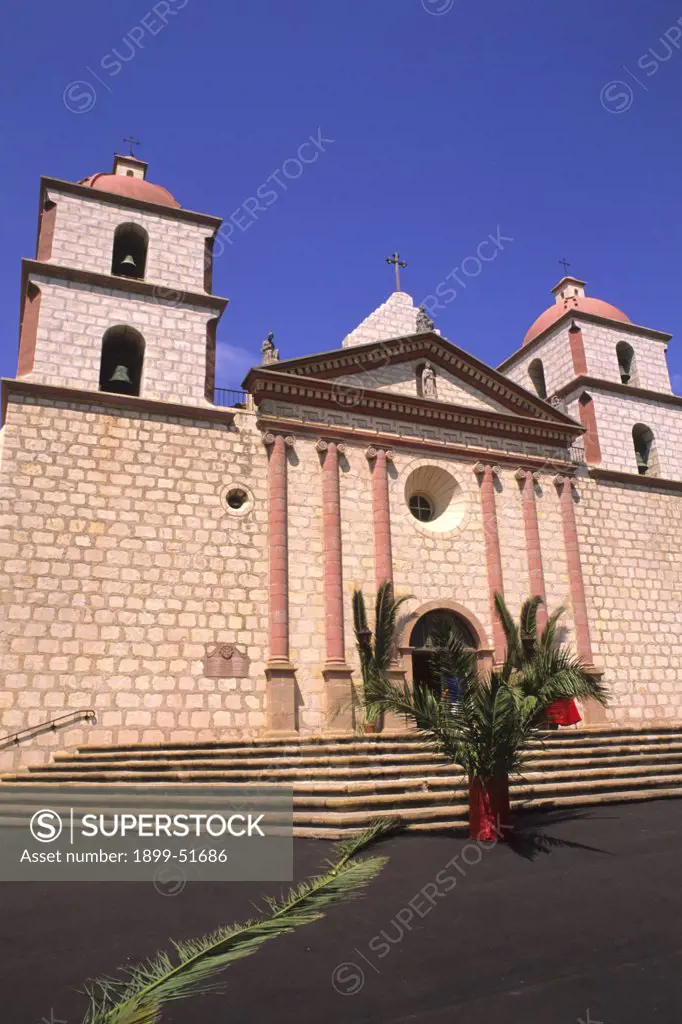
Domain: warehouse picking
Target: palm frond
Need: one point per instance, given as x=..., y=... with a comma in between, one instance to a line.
x=548, y=639
x=528, y=625
x=385, y=625
x=511, y=630
x=193, y=966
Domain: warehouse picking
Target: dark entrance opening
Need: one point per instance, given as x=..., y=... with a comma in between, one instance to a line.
x=423, y=642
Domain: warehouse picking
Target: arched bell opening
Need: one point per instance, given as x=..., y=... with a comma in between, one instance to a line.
x=121, y=362
x=536, y=372
x=129, y=257
x=627, y=366
x=645, y=450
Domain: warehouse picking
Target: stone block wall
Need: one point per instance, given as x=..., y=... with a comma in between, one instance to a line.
x=555, y=354
x=630, y=543
x=651, y=367
x=616, y=415
x=74, y=318
x=121, y=568
x=175, y=257
x=599, y=342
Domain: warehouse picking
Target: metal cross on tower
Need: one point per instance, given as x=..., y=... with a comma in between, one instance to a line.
x=565, y=264
x=131, y=142
x=396, y=262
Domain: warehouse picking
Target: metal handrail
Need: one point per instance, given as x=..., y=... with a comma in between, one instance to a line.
x=51, y=726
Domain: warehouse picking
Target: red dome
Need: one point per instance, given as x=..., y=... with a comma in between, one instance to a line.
x=580, y=303
x=131, y=186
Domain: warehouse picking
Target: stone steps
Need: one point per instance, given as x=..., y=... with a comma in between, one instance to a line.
x=377, y=758
x=566, y=745
x=340, y=782
x=454, y=817
x=391, y=776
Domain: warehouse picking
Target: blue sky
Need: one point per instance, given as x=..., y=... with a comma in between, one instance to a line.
x=451, y=120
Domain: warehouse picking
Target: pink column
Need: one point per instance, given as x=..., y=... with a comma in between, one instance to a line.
x=383, y=555
x=333, y=571
x=336, y=673
x=575, y=572
x=383, y=560
x=280, y=672
x=536, y=576
x=486, y=474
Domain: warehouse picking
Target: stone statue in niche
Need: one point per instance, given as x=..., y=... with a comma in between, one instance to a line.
x=268, y=351
x=225, y=661
x=428, y=382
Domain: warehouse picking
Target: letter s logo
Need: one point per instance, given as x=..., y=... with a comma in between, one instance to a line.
x=46, y=826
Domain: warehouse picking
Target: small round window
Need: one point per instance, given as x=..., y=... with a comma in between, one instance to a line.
x=236, y=498
x=421, y=508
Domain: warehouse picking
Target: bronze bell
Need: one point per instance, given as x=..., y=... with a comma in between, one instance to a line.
x=127, y=266
x=120, y=381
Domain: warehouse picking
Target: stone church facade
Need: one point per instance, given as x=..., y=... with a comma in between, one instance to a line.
x=181, y=561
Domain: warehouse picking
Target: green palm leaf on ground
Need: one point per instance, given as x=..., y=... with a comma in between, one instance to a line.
x=192, y=967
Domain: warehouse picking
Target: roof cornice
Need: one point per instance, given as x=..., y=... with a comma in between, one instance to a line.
x=100, y=196
x=577, y=314
x=359, y=436
x=58, y=272
x=267, y=384
x=465, y=367
x=129, y=403
x=624, y=390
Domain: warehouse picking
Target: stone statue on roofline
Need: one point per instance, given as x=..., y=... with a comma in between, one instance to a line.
x=424, y=322
x=268, y=351
x=428, y=381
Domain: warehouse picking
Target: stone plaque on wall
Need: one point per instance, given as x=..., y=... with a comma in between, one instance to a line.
x=225, y=661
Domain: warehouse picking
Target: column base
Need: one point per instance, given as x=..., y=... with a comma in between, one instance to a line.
x=338, y=693
x=281, y=702
x=392, y=721
x=594, y=713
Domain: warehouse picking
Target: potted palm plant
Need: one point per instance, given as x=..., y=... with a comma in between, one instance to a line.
x=487, y=730
x=375, y=648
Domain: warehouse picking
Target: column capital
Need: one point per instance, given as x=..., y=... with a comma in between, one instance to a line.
x=483, y=468
x=373, y=450
x=322, y=445
x=522, y=474
x=269, y=439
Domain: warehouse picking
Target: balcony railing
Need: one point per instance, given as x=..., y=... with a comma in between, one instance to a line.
x=577, y=455
x=230, y=398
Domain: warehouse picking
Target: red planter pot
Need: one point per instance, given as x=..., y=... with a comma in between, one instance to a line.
x=489, y=814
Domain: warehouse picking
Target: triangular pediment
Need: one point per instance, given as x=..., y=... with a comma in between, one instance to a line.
x=391, y=367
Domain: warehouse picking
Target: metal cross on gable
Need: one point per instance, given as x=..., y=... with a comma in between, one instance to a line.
x=131, y=142
x=565, y=264
x=396, y=262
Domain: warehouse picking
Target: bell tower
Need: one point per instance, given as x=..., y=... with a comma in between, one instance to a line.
x=119, y=297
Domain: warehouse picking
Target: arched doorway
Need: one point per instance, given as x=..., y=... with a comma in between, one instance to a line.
x=423, y=640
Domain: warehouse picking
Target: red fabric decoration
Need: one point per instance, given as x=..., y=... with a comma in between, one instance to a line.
x=489, y=814
x=564, y=712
